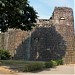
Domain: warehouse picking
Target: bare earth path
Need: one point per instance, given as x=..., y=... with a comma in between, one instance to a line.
x=63, y=69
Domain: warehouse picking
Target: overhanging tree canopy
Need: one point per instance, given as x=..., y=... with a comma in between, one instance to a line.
x=16, y=14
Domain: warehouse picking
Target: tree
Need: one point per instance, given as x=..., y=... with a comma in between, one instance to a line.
x=16, y=14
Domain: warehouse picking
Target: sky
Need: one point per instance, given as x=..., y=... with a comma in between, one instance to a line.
x=46, y=7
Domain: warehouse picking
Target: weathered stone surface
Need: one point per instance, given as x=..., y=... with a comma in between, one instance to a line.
x=51, y=39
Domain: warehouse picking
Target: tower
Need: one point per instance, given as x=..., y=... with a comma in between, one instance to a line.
x=64, y=23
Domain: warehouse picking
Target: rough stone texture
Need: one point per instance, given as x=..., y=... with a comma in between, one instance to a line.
x=16, y=41
x=51, y=39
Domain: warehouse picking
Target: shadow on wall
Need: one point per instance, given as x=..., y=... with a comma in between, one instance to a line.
x=43, y=45
x=47, y=44
x=22, y=51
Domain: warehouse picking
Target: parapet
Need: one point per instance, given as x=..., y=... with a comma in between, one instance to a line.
x=63, y=8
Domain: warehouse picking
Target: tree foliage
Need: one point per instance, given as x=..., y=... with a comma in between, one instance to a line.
x=16, y=14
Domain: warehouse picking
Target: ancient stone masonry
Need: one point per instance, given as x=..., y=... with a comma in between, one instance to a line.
x=13, y=40
x=51, y=39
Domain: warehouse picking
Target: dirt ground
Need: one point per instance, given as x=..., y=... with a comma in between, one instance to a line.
x=62, y=69
x=6, y=70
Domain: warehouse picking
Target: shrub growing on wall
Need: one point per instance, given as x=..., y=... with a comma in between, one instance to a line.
x=59, y=62
x=4, y=54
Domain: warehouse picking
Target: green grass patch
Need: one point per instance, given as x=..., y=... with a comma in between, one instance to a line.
x=26, y=66
x=29, y=66
x=34, y=67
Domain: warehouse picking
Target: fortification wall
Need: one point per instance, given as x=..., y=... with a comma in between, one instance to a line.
x=16, y=41
x=51, y=39
x=54, y=38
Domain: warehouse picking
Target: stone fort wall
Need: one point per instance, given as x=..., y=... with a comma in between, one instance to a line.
x=51, y=39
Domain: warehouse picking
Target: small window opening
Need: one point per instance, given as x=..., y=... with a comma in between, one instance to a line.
x=62, y=18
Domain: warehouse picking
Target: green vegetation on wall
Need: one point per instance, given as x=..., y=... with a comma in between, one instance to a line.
x=4, y=54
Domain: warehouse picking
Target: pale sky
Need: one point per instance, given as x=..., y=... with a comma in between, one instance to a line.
x=46, y=7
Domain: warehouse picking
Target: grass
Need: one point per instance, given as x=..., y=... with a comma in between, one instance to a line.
x=21, y=65
x=13, y=62
x=29, y=66
x=16, y=62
